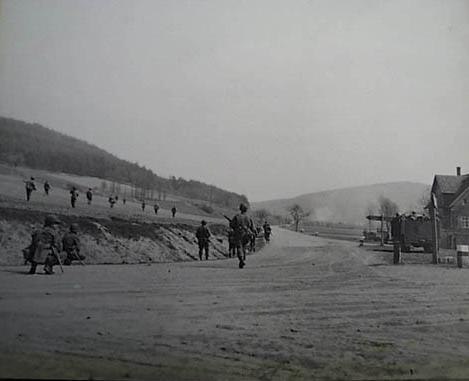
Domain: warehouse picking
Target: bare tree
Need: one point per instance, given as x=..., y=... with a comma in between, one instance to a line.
x=387, y=208
x=298, y=214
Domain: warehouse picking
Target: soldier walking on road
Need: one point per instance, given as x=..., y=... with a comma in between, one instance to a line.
x=242, y=226
x=173, y=211
x=73, y=196
x=45, y=246
x=46, y=188
x=30, y=187
x=231, y=243
x=89, y=195
x=267, y=231
x=155, y=208
x=203, y=239
x=71, y=245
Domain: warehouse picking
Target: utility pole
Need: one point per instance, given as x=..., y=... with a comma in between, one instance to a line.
x=434, y=219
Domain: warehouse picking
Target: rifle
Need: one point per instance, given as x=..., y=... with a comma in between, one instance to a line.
x=228, y=218
x=56, y=253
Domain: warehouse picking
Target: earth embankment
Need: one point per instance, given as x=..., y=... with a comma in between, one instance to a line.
x=303, y=308
x=111, y=239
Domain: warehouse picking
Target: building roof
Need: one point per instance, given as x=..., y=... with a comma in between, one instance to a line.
x=451, y=184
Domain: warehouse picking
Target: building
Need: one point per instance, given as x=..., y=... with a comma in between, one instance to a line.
x=452, y=196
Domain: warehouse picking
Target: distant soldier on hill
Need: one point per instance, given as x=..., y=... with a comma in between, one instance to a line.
x=46, y=188
x=242, y=226
x=173, y=211
x=155, y=208
x=73, y=196
x=143, y=205
x=111, y=201
x=124, y=200
x=89, y=195
x=30, y=187
x=45, y=246
x=203, y=239
x=71, y=245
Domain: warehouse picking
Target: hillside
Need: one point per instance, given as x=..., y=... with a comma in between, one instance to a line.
x=351, y=205
x=38, y=147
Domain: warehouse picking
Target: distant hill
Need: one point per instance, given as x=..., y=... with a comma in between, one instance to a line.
x=38, y=147
x=351, y=205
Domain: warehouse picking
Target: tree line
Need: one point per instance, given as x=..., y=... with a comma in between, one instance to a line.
x=38, y=147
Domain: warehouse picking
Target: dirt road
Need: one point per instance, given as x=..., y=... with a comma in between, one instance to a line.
x=304, y=307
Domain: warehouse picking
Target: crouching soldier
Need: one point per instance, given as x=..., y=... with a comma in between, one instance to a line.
x=45, y=246
x=203, y=239
x=71, y=245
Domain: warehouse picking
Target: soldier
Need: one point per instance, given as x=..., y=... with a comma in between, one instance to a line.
x=30, y=187
x=143, y=205
x=267, y=231
x=89, y=195
x=46, y=188
x=242, y=226
x=155, y=208
x=71, y=245
x=231, y=243
x=124, y=200
x=173, y=211
x=252, y=239
x=203, y=239
x=45, y=246
x=73, y=196
x=111, y=201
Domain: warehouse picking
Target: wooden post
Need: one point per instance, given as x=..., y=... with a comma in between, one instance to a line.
x=382, y=232
x=397, y=252
x=434, y=219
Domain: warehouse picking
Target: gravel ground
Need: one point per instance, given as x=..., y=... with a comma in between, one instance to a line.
x=304, y=307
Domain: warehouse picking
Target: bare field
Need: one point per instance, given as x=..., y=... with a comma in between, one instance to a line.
x=304, y=307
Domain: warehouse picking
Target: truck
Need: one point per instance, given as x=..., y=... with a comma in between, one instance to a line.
x=412, y=231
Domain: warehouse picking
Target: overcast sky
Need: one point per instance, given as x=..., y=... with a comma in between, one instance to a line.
x=268, y=98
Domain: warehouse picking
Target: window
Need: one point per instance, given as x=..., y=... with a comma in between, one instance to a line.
x=464, y=222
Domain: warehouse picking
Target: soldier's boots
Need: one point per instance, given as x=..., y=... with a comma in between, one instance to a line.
x=48, y=269
x=32, y=270
x=241, y=264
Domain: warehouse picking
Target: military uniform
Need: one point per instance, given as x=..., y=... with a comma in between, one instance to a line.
x=71, y=245
x=45, y=247
x=231, y=243
x=73, y=196
x=173, y=211
x=267, y=232
x=30, y=187
x=89, y=196
x=203, y=238
x=242, y=226
x=46, y=188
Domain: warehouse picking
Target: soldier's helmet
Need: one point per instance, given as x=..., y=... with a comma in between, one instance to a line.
x=204, y=222
x=32, y=178
x=243, y=208
x=51, y=220
x=74, y=228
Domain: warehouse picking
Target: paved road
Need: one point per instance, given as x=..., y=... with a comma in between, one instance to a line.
x=303, y=307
